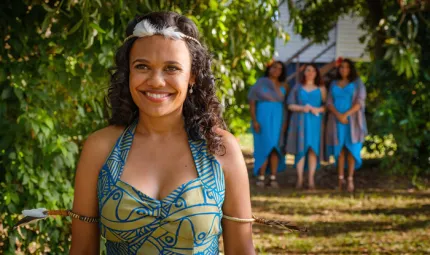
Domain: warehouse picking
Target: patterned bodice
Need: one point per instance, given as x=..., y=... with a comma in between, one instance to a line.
x=187, y=221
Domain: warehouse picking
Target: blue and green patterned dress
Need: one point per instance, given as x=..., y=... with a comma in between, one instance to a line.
x=187, y=221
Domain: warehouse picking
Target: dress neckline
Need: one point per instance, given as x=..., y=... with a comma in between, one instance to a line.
x=309, y=91
x=347, y=85
x=129, y=136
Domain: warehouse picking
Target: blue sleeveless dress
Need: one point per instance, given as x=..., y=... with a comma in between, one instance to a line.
x=312, y=123
x=342, y=99
x=187, y=221
x=270, y=117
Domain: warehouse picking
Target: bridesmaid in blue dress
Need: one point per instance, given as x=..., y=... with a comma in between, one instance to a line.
x=266, y=99
x=346, y=125
x=305, y=131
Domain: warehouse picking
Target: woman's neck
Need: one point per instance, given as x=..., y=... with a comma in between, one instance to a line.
x=345, y=80
x=309, y=84
x=171, y=124
x=275, y=80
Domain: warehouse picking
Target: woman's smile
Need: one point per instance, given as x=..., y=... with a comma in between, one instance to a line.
x=157, y=96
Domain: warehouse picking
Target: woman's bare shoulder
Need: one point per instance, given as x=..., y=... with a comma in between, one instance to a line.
x=105, y=136
x=232, y=160
x=98, y=146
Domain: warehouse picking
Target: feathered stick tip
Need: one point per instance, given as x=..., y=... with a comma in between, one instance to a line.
x=280, y=224
x=34, y=215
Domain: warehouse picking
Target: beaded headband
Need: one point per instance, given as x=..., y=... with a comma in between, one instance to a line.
x=145, y=28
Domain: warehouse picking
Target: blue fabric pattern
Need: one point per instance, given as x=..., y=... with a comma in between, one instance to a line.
x=187, y=221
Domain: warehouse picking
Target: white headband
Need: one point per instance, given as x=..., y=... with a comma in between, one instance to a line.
x=145, y=28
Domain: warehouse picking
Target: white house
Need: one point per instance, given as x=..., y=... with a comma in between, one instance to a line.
x=343, y=42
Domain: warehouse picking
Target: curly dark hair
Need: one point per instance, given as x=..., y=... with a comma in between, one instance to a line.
x=201, y=109
x=283, y=75
x=353, y=75
x=318, y=81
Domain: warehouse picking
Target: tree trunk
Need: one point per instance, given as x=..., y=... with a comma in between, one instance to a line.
x=376, y=13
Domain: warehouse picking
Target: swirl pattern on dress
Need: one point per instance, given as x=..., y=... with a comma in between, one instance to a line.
x=187, y=221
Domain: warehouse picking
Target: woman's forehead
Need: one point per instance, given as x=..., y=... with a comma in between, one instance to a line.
x=158, y=48
x=344, y=64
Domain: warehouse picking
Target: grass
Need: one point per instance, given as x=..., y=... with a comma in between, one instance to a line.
x=376, y=222
x=381, y=217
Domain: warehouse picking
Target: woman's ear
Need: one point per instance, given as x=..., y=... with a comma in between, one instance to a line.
x=192, y=80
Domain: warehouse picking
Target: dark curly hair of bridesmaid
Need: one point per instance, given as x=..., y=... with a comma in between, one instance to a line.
x=201, y=109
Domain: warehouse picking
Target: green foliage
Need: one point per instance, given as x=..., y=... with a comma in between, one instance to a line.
x=54, y=78
x=314, y=19
x=403, y=113
x=399, y=92
x=400, y=104
x=240, y=44
x=403, y=50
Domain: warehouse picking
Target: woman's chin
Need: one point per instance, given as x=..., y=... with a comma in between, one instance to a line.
x=157, y=112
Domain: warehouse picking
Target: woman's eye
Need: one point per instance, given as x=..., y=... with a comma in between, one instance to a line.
x=172, y=68
x=141, y=67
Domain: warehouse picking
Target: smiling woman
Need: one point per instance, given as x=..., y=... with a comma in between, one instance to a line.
x=190, y=58
x=161, y=177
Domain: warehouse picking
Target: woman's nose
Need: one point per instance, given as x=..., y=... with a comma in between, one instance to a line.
x=156, y=79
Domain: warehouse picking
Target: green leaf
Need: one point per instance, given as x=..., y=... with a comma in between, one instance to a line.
x=97, y=27
x=45, y=130
x=8, y=178
x=6, y=93
x=389, y=53
x=47, y=8
x=90, y=42
x=66, y=198
x=51, y=76
x=3, y=75
x=39, y=196
x=75, y=27
x=18, y=93
x=14, y=197
x=12, y=155
x=46, y=22
x=25, y=179
x=49, y=123
x=35, y=127
x=213, y=4
x=12, y=208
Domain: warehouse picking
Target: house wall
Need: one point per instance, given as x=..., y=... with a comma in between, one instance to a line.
x=346, y=34
x=296, y=42
x=347, y=39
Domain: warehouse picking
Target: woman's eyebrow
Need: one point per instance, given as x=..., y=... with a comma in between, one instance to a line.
x=141, y=60
x=171, y=62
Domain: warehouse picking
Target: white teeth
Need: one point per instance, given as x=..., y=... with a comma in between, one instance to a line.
x=154, y=95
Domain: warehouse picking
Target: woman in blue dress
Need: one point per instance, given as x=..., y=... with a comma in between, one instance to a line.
x=346, y=125
x=305, y=131
x=266, y=99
